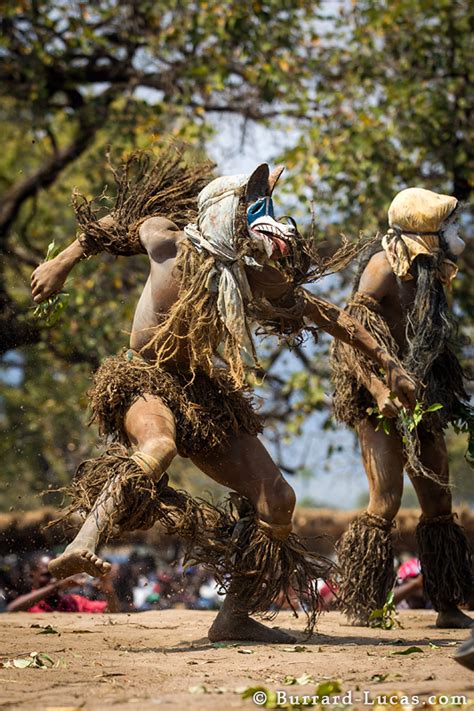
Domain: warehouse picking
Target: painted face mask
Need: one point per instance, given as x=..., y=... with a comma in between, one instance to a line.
x=266, y=233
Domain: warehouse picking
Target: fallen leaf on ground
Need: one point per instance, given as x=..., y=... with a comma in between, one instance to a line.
x=199, y=689
x=302, y=680
x=409, y=650
x=378, y=677
x=47, y=629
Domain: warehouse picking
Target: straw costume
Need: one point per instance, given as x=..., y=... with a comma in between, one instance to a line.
x=195, y=361
x=420, y=250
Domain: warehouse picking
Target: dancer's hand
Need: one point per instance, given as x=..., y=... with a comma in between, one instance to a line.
x=400, y=383
x=49, y=278
x=388, y=405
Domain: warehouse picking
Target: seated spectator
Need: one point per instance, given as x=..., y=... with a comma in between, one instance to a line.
x=5, y=586
x=409, y=593
x=46, y=593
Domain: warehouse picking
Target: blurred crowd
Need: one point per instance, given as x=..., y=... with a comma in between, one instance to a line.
x=141, y=580
x=138, y=581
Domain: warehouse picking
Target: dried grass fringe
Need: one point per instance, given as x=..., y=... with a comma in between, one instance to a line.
x=165, y=185
x=206, y=411
x=147, y=185
x=350, y=367
x=264, y=570
x=193, y=326
x=226, y=540
x=446, y=561
x=366, y=562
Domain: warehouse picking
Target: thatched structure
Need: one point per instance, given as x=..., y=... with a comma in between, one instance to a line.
x=27, y=531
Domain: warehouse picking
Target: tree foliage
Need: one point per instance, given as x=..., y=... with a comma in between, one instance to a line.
x=373, y=95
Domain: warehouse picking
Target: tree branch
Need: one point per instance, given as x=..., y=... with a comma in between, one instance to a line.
x=91, y=118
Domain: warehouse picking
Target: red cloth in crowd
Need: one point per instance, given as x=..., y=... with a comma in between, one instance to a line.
x=409, y=569
x=70, y=603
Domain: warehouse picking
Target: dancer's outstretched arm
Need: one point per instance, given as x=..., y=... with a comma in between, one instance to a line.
x=153, y=234
x=49, y=277
x=377, y=282
x=341, y=325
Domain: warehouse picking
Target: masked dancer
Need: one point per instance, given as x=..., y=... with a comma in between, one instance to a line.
x=219, y=261
x=400, y=298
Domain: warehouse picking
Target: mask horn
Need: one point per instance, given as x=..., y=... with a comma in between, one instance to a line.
x=274, y=177
x=257, y=185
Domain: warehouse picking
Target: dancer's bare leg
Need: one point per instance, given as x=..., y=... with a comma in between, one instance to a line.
x=151, y=429
x=435, y=500
x=382, y=456
x=365, y=549
x=245, y=466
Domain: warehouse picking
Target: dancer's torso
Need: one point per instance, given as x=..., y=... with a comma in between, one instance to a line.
x=394, y=296
x=162, y=240
x=158, y=296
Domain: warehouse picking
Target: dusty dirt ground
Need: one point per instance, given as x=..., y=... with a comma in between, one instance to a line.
x=163, y=659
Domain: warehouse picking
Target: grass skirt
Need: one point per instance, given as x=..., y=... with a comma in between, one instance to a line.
x=206, y=410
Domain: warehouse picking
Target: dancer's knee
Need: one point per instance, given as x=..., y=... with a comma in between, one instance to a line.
x=162, y=448
x=281, y=503
x=385, y=505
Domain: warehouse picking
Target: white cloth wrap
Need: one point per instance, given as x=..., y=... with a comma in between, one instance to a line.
x=215, y=233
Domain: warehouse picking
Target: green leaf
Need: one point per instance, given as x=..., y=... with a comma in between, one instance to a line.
x=270, y=697
x=409, y=650
x=434, y=407
x=327, y=688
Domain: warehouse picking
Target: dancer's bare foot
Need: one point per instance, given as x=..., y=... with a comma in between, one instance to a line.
x=228, y=626
x=453, y=619
x=78, y=560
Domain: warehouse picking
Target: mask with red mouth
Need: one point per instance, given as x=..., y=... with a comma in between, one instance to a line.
x=267, y=234
x=236, y=213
